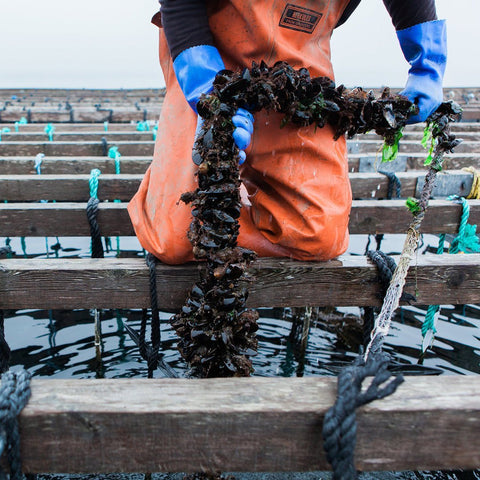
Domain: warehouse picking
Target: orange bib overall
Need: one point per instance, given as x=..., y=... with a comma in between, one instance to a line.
x=299, y=195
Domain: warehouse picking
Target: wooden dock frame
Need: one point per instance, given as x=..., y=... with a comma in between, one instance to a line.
x=245, y=424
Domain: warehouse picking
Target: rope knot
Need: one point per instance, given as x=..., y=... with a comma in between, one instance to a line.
x=339, y=426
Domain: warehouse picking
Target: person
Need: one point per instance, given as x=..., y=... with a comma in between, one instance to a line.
x=298, y=195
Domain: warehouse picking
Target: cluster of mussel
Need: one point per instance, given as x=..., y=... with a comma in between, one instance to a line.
x=217, y=332
x=305, y=100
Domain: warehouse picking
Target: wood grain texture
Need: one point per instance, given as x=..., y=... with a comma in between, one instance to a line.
x=24, y=165
x=242, y=424
x=366, y=217
x=18, y=164
x=123, y=283
x=137, y=148
x=73, y=148
x=74, y=188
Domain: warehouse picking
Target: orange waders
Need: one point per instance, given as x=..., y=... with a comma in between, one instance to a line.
x=296, y=178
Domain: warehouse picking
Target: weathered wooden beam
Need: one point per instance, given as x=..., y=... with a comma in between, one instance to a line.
x=406, y=146
x=242, y=424
x=69, y=127
x=366, y=217
x=73, y=148
x=23, y=164
x=74, y=188
x=73, y=165
x=123, y=283
x=70, y=148
x=87, y=136
x=112, y=135
x=459, y=129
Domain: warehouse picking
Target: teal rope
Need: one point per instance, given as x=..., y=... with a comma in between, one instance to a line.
x=466, y=240
x=24, y=246
x=93, y=182
x=143, y=126
x=105, y=126
x=115, y=154
x=50, y=130
x=8, y=241
x=155, y=131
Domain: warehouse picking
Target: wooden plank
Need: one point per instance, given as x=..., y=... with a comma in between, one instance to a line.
x=73, y=148
x=146, y=147
x=74, y=188
x=16, y=165
x=242, y=424
x=123, y=283
x=87, y=136
x=406, y=146
x=366, y=217
x=73, y=165
x=71, y=127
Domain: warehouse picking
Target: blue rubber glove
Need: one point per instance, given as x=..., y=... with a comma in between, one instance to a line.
x=424, y=46
x=195, y=69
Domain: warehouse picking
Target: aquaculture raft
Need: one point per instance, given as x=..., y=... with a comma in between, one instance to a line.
x=255, y=424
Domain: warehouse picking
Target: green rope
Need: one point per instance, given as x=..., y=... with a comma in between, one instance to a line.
x=50, y=130
x=115, y=154
x=93, y=182
x=466, y=241
x=143, y=126
x=429, y=328
x=8, y=241
x=23, y=244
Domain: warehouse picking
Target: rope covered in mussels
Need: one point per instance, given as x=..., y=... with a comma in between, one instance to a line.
x=216, y=330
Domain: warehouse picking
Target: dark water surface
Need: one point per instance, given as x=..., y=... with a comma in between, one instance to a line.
x=60, y=344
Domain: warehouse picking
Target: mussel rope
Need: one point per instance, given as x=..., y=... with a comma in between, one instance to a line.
x=211, y=321
x=231, y=92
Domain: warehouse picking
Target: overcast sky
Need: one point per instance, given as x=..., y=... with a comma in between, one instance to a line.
x=111, y=44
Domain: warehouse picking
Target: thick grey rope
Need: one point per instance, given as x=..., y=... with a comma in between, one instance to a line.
x=14, y=395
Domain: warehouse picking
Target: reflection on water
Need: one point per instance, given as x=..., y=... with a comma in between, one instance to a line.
x=61, y=344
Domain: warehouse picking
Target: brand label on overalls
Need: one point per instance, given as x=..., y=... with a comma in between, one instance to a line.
x=299, y=18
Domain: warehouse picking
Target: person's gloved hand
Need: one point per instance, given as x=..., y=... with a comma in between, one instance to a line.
x=424, y=46
x=195, y=69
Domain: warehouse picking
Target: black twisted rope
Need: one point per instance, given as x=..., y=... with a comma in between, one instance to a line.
x=4, y=348
x=92, y=212
x=14, y=395
x=339, y=426
x=7, y=250
x=150, y=353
